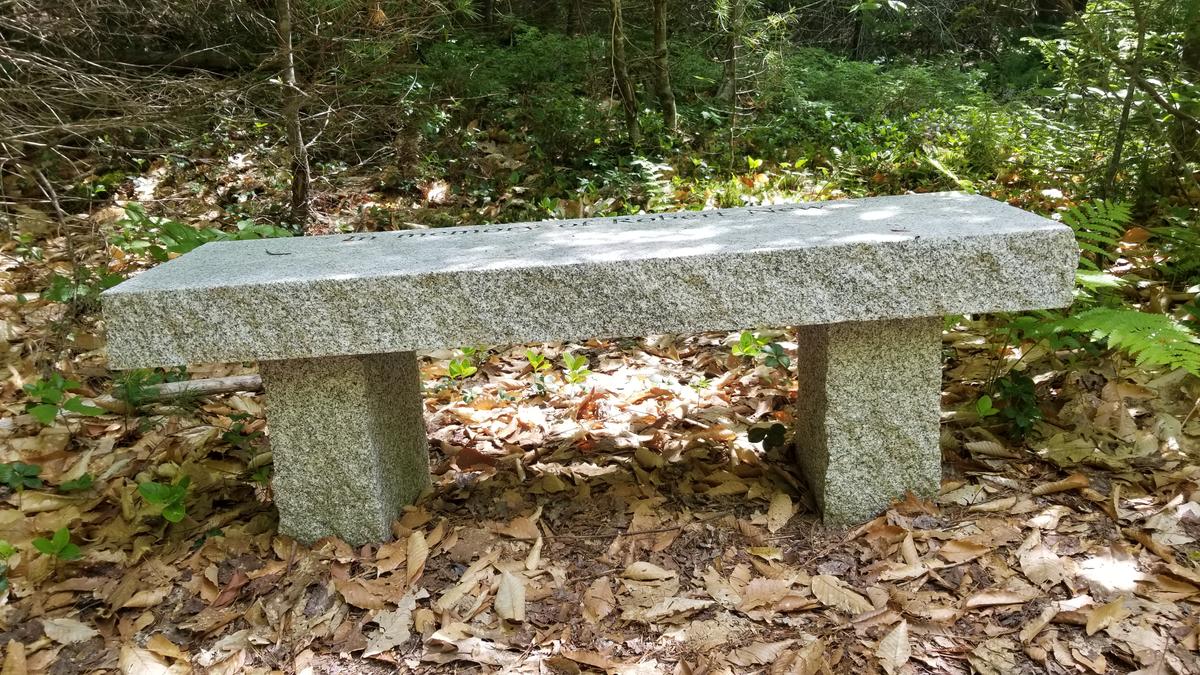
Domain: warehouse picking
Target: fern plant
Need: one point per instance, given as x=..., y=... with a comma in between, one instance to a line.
x=1098, y=226
x=1152, y=339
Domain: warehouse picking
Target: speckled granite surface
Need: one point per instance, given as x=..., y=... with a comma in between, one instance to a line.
x=348, y=439
x=334, y=321
x=867, y=414
x=852, y=260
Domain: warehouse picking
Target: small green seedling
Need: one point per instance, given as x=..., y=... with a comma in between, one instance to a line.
x=537, y=362
x=19, y=476
x=1019, y=395
x=577, y=367
x=50, y=399
x=237, y=436
x=461, y=369
x=262, y=475
x=6, y=551
x=134, y=386
x=80, y=484
x=984, y=407
x=749, y=344
x=770, y=435
x=58, y=546
x=169, y=497
x=776, y=357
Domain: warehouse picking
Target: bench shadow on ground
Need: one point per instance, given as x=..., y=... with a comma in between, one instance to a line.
x=646, y=460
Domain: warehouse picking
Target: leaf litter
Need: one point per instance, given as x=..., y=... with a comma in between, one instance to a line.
x=623, y=524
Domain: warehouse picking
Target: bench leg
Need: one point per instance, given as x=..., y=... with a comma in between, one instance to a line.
x=348, y=440
x=867, y=417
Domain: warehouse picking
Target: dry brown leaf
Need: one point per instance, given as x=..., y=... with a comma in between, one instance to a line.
x=644, y=571
x=394, y=627
x=1041, y=566
x=598, y=600
x=1031, y=629
x=668, y=610
x=520, y=527
x=808, y=660
x=991, y=449
x=417, y=553
x=991, y=598
x=833, y=593
x=135, y=661
x=757, y=653
x=534, y=559
x=145, y=599
x=780, y=512
x=962, y=550
x=14, y=659
x=159, y=644
x=358, y=593
x=510, y=598
x=68, y=631
x=1103, y=616
x=894, y=649
x=1075, y=481
x=762, y=592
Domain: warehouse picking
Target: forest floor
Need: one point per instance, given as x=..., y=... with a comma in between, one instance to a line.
x=621, y=524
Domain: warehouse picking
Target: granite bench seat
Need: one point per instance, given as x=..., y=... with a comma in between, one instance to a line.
x=335, y=322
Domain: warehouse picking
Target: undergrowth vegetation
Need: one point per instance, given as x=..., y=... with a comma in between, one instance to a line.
x=183, y=128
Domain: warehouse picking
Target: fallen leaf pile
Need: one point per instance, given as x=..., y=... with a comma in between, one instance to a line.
x=620, y=524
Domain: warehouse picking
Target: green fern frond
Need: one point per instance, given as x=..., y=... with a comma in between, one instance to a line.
x=1152, y=339
x=1098, y=226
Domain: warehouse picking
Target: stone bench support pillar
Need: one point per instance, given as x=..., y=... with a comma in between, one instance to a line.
x=868, y=411
x=348, y=441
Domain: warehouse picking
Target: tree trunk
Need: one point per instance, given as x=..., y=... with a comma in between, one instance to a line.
x=733, y=50
x=1114, y=161
x=662, y=66
x=621, y=74
x=291, y=115
x=1188, y=140
x=575, y=17
x=489, y=13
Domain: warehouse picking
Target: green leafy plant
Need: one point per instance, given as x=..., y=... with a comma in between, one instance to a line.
x=80, y=484
x=985, y=408
x=537, y=362
x=461, y=369
x=6, y=551
x=50, y=399
x=749, y=344
x=169, y=497
x=1152, y=339
x=237, y=436
x=82, y=288
x=576, y=368
x=262, y=475
x=18, y=476
x=1098, y=227
x=1018, y=396
x=163, y=238
x=133, y=386
x=772, y=435
x=776, y=357
x=58, y=546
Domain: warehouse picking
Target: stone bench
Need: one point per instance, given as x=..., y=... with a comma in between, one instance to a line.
x=335, y=321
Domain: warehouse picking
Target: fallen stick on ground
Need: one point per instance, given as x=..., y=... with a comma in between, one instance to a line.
x=170, y=390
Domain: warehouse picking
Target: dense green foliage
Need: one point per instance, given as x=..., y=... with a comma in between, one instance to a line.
x=455, y=112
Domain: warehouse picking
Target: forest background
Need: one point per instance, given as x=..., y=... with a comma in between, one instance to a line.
x=132, y=132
